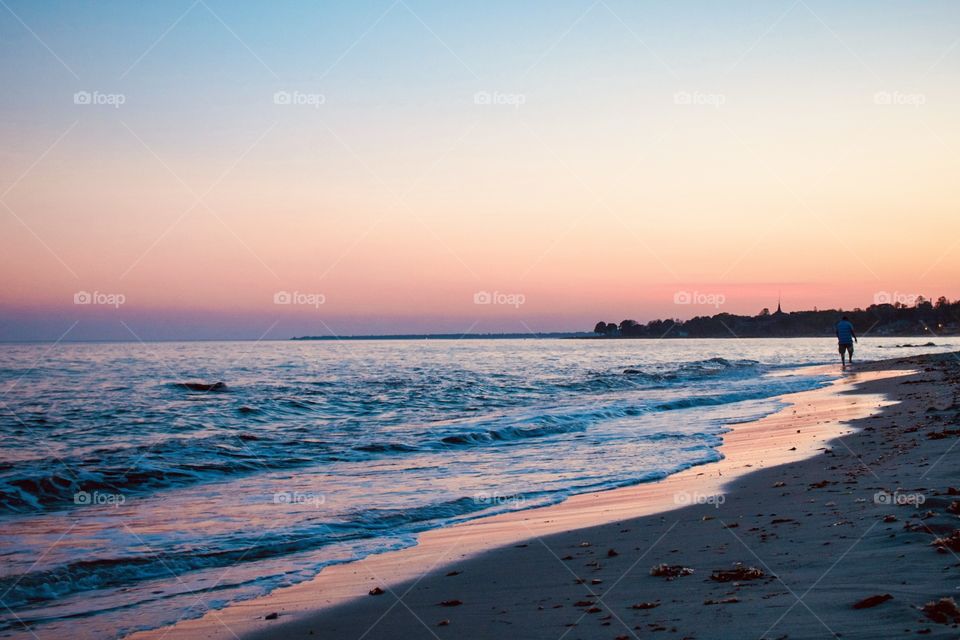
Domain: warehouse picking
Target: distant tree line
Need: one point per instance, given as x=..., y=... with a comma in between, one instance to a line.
x=925, y=317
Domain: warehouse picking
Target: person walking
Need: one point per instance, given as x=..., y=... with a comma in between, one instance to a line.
x=845, y=339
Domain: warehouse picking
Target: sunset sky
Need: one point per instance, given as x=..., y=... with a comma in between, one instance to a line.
x=190, y=162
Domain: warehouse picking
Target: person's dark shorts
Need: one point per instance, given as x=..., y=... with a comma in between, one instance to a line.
x=848, y=348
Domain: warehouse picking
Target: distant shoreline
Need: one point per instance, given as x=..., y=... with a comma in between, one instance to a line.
x=591, y=336
x=454, y=336
x=470, y=336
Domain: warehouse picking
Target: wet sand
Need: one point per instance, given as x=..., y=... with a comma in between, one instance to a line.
x=806, y=514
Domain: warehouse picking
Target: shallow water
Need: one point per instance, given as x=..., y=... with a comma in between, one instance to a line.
x=128, y=500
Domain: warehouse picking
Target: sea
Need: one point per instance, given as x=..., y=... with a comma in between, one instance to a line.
x=131, y=497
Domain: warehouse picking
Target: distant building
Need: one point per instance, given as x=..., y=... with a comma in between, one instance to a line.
x=779, y=311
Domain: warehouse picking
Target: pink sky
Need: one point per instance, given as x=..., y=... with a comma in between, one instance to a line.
x=741, y=165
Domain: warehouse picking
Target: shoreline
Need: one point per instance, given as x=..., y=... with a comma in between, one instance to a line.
x=790, y=435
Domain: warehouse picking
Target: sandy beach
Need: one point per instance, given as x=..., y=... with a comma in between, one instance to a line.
x=820, y=521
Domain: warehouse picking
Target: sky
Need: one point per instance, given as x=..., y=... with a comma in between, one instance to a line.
x=205, y=169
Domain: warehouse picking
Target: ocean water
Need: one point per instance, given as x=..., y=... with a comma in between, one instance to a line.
x=128, y=500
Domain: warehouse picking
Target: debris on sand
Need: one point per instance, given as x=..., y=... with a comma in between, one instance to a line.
x=271, y=616
x=376, y=591
x=443, y=623
x=451, y=603
x=670, y=571
x=945, y=433
x=872, y=601
x=739, y=572
x=944, y=611
x=612, y=553
x=951, y=542
x=645, y=605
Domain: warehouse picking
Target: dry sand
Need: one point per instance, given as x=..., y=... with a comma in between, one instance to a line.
x=820, y=526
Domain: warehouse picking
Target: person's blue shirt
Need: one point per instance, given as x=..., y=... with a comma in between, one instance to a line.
x=845, y=332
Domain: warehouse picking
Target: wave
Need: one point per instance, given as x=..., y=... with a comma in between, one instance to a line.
x=48, y=483
x=386, y=447
x=633, y=376
x=506, y=430
x=514, y=433
x=557, y=424
x=780, y=388
x=390, y=527
x=51, y=483
x=34, y=588
x=708, y=368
